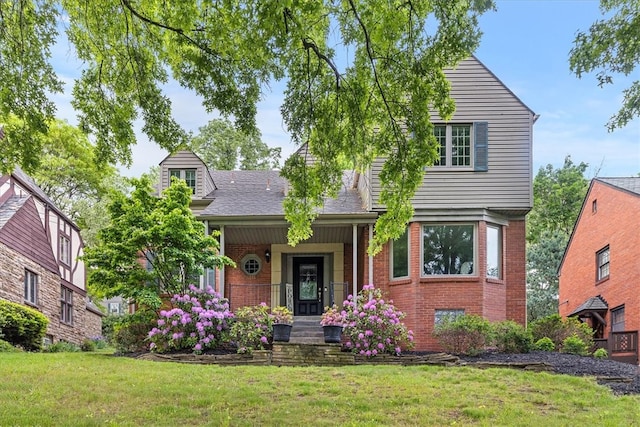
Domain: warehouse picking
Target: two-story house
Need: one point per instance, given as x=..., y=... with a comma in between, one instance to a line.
x=599, y=280
x=39, y=261
x=463, y=251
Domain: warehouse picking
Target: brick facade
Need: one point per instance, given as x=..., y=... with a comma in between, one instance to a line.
x=612, y=221
x=417, y=296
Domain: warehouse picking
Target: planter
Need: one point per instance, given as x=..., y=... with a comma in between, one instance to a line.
x=332, y=333
x=281, y=332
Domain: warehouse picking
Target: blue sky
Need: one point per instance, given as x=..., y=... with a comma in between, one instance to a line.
x=525, y=44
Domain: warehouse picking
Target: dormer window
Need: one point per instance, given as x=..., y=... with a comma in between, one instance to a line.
x=187, y=175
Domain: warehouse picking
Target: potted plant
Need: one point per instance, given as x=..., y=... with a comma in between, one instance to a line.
x=332, y=322
x=282, y=319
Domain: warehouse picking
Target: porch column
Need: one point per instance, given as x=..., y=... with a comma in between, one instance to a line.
x=221, y=286
x=205, y=272
x=371, y=281
x=354, y=256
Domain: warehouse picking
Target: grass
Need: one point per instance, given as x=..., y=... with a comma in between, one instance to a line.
x=86, y=389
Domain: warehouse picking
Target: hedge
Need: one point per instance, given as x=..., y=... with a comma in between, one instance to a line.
x=22, y=326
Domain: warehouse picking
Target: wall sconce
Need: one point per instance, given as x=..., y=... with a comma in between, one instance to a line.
x=267, y=255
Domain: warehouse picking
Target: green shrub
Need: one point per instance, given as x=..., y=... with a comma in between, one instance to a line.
x=467, y=334
x=601, y=353
x=575, y=345
x=252, y=328
x=108, y=327
x=131, y=331
x=512, y=337
x=558, y=329
x=62, y=347
x=6, y=347
x=88, y=345
x=23, y=326
x=545, y=344
x=100, y=343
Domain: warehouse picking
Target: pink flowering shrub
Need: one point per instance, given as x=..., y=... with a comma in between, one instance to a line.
x=199, y=321
x=252, y=328
x=374, y=326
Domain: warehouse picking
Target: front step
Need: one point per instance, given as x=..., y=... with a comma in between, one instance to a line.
x=306, y=330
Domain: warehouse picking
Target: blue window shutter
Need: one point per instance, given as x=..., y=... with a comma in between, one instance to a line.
x=481, y=146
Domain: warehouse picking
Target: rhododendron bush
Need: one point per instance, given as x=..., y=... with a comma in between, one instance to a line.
x=374, y=326
x=198, y=321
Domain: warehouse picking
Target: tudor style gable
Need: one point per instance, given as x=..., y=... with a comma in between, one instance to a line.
x=24, y=233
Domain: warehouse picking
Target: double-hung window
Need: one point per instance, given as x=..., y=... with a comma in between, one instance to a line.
x=400, y=256
x=448, y=249
x=30, y=287
x=66, y=305
x=462, y=146
x=602, y=260
x=187, y=175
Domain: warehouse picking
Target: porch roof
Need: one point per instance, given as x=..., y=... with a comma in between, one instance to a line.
x=593, y=304
x=261, y=193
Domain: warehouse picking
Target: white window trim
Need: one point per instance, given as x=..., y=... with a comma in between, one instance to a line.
x=183, y=176
x=449, y=148
x=29, y=297
x=474, y=272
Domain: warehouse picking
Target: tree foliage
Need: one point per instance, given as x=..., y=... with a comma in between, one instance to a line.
x=223, y=147
x=611, y=48
x=151, y=246
x=374, y=100
x=558, y=196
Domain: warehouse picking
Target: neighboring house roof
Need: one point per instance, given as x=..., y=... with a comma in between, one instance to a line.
x=631, y=184
x=596, y=303
x=261, y=193
x=9, y=208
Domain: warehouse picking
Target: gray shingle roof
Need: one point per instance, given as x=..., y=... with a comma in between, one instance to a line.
x=596, y=303
x=260, y=193
x=10, y=207
x=631, y=184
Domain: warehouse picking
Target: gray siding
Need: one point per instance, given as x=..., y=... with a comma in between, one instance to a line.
x=187, y=160
x=506, y=185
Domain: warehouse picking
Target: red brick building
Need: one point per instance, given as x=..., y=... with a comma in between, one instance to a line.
x=463, y=251
x=599, y=277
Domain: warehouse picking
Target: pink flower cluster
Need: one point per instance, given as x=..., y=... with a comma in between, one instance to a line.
x=198, y=321
x=374, y=326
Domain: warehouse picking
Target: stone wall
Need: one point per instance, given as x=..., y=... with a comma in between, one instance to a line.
x=48, y=299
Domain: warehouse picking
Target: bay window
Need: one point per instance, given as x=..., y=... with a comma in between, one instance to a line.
x=448, y=249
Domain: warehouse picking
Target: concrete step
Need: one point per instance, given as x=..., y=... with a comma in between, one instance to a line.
x=307, y=330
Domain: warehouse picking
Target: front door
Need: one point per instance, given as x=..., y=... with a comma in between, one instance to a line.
x=307, y=286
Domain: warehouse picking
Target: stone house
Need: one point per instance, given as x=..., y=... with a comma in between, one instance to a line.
x=39, y=261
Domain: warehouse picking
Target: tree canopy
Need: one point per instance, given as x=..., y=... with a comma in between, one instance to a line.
x=374, y=99
x=224, y=147
x=611, y=48
x=151, y=246
x=558, y=195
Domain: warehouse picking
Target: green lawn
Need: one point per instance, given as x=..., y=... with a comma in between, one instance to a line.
x=69, y=389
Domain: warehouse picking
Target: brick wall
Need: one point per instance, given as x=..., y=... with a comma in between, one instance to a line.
x=614, y=223
x=243, y=289
x=419, y=297
x=12, y=289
